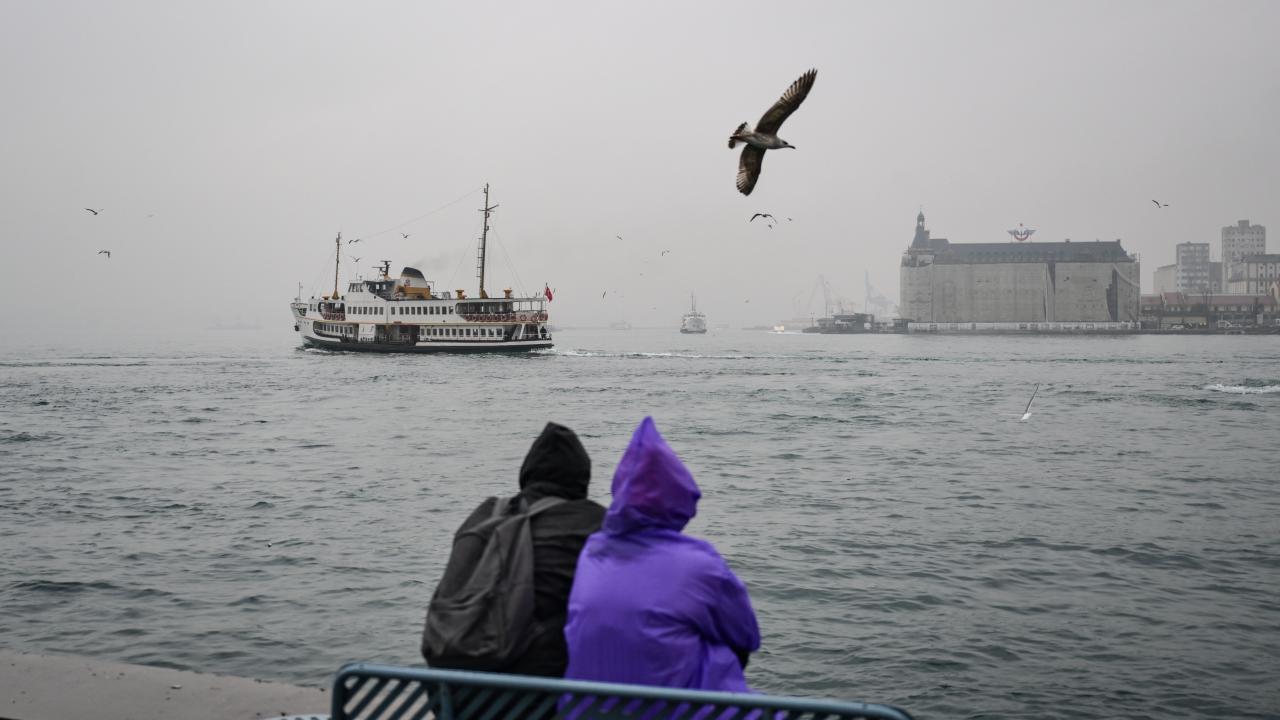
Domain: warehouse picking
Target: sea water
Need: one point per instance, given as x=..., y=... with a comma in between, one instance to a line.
x=236, y=504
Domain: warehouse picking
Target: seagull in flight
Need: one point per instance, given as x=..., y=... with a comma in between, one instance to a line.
x=618, y=236
x=354, y=258
x=354, y=241
x=95, y=212
x=1159, y=204
x=765, y=135
x=763, y=215
x=664, y=252
x=405, y=235
x=105, y=252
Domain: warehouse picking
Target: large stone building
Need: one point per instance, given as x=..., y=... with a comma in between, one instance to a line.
x=1012, y=282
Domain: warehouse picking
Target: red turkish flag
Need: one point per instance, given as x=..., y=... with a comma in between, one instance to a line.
x=546, y=290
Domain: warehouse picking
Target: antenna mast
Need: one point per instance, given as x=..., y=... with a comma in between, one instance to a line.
x=484, y=237
x=337, y=256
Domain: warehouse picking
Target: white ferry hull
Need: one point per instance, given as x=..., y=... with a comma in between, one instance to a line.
x=509, y=346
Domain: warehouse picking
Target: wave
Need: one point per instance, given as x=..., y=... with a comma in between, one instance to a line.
x=652, y=355
x=25, y=437
x=1243, y=389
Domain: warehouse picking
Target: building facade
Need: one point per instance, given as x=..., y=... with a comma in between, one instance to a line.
x=1193, y=268
x=1254, y=274
x=1014, y=282
x=1165, y=279
x=1239, y=241
x=1183, y=310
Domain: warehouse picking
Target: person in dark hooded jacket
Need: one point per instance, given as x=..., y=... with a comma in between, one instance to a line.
x=556, y=465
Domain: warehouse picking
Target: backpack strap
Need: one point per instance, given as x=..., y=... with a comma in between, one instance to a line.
x=544, y=503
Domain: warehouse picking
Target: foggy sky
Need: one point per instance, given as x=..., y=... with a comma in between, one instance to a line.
x=227, y=143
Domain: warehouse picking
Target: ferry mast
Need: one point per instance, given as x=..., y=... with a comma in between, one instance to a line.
x=337, y=256
x=484, y=236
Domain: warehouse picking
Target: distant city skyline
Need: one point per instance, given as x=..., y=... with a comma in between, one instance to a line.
x=224, y=146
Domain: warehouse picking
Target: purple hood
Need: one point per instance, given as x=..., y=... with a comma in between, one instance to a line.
x=652, y=605
x=651, y=487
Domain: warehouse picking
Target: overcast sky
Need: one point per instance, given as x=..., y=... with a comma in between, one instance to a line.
x=228, y=142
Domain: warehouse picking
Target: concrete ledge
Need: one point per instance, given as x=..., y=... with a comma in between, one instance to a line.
x=66, y=687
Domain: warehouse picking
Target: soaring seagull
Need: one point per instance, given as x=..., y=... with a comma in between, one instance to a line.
x=1159, y=204
x=763, y=215
x=352, y=242
x=105, y=252
x=765, y=135
x=405, y=235
x=95, y=212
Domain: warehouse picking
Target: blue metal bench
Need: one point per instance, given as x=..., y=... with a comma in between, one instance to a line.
x=366, y=691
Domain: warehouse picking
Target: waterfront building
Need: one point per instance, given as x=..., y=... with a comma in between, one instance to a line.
x=1165, y=279
x=1254, y=273
x=1192, y=310
x=1017, y=282
x=1193, y=267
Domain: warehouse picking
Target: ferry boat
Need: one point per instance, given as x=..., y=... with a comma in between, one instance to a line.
x=410, y=314
x=693, y=321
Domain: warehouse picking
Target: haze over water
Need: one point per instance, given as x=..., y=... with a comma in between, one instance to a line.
x=238, y=505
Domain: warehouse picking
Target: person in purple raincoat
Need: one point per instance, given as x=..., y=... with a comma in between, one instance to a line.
x=649, y=604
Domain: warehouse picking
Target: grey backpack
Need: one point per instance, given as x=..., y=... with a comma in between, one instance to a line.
x=481, y=615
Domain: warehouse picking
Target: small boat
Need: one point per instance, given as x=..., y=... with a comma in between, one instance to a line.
x=693, y=321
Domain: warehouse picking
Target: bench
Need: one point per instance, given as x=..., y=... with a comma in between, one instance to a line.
x=367, y=691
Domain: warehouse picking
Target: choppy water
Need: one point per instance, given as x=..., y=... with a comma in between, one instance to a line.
x=254, y=509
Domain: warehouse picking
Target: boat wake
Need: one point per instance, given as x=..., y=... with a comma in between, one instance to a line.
x=1244, y=389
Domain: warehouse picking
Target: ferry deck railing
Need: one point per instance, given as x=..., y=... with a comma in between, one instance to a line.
x=367, y=691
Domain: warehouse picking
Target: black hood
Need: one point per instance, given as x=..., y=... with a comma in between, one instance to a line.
x=557, y=464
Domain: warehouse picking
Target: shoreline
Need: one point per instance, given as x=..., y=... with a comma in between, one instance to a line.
x=47, y=686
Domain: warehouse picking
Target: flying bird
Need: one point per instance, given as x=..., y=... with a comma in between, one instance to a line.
x=105, y=252
x=765, y=135
x=354, y=258
x=763, y=215
x=353, y=241
x=618, y=236
x=602, y=294
x=1159, y=204
x=95, y=212
x=664, y=252
x=405, y=235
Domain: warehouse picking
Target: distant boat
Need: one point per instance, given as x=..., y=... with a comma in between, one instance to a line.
x=693, y=322
x=620, y=325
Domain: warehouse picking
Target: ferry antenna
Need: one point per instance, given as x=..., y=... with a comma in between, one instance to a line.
x=484, y=237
